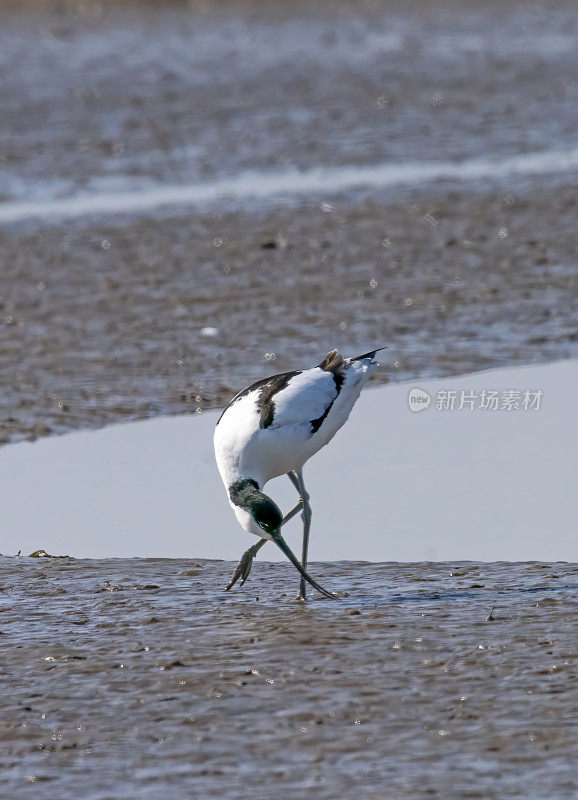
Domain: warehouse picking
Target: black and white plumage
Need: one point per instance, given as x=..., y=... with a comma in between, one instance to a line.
x=272, y=428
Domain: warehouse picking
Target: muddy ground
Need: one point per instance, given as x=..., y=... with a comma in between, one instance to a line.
x=102, y=334
x=113, y=318
x=144, y=679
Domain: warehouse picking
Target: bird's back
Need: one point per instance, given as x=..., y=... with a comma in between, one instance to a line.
x=278, y=423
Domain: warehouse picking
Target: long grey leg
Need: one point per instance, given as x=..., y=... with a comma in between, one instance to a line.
x=296, y=479
x=292, y=513
x=293, y=477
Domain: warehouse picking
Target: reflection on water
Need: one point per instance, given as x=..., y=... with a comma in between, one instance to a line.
x=264, y=185
x=144, y=678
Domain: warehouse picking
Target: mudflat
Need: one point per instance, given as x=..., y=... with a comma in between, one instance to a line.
x=108, y=317
x=143, y=678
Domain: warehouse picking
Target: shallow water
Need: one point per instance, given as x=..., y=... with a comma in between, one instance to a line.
x=466, y=484
x=211, y=90
x=142, y=678
x=318, y=183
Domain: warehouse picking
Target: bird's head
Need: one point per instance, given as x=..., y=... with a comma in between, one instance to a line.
x=246, y=495
x=266, y=513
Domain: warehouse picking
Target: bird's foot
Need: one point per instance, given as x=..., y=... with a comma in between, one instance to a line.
x=243, y=568
x=302, y=596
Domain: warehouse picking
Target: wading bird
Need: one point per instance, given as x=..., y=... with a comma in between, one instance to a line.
x=272, y=428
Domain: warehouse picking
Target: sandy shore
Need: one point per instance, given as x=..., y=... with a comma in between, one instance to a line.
x=145, y=675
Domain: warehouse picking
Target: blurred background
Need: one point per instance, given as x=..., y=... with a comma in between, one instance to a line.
x=195, y=195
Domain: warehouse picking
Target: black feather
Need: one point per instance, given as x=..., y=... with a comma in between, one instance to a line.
x=265, y=401
x=368, y=355
x=269, y=388
x=317, y=423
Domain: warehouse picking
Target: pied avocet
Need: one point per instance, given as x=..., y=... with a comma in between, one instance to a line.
x=272, y=428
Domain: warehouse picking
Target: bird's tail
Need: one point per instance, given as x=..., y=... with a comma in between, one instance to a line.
x=371, y=354
x=284, y=547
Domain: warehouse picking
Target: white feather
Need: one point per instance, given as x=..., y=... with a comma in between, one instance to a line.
x=305, y=397
x=245, y=450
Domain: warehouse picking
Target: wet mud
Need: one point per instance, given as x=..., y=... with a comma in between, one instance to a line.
x=111, y=318
x=115, y=322
x=143, y=678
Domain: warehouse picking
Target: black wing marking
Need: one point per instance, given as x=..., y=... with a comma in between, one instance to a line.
x=336, y=364
x=265, y=402
x=269, y=388
x=317, y=423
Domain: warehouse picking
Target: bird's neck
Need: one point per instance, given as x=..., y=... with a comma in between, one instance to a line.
x=243, y=492
x=233, y=469
x=256, y=511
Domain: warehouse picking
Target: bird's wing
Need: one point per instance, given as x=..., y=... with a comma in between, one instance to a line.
x=307, y=397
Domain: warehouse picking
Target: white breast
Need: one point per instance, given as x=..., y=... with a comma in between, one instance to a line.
x=233, y=435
